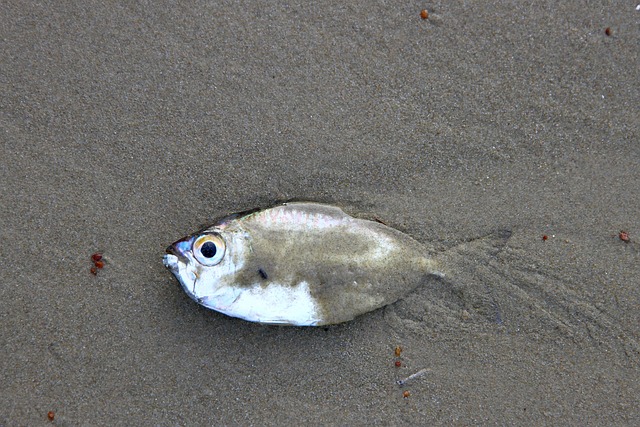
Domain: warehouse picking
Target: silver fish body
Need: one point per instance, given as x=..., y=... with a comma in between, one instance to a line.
x=304, y=264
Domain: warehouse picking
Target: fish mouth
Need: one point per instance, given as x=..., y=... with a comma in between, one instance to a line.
x=177, y=261
x=171, y=262
x=173, y=256
x=179, y=250
x=178, y=264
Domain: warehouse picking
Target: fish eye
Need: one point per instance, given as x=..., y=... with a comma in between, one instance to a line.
x=209, y=249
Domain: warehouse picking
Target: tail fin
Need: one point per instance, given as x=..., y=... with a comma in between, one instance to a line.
x=490, y=282
x=470, y=254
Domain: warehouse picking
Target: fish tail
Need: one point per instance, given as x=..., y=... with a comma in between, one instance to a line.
x=470, y=253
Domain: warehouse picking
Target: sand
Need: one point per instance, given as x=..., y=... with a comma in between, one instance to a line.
x=125, y=127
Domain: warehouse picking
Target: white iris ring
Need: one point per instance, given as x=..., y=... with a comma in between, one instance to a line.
x=209, y=249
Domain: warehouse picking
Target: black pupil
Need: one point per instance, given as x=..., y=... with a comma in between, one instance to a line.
x=208, y=250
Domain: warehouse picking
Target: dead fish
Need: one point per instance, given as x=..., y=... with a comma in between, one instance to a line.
x=303, y=264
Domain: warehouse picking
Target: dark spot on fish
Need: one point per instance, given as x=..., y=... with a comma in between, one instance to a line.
x=263, y=273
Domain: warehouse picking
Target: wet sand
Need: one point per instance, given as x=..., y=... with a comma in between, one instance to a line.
x=125, y=127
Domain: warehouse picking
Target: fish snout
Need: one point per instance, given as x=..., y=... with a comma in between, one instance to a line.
x=170, y=261
x=178, y=250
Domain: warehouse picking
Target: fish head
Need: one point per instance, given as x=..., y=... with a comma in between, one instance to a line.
x=204, y=263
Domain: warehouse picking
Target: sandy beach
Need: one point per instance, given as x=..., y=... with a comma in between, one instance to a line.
x=504, y=135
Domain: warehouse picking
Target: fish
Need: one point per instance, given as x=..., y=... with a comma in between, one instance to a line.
x=298, y=264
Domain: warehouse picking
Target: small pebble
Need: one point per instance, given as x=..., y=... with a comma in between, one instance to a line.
x=398, y=351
